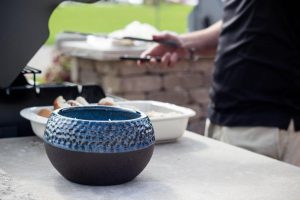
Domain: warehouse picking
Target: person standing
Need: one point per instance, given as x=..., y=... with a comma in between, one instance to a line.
x=255, y=94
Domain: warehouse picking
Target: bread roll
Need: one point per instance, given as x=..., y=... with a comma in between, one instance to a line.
x=45, y=112
x=73, y=103
x=82, y=101
x=60, y=102
x=107, y=101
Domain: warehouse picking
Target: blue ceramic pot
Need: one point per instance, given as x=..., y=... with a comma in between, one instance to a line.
x=99, y=145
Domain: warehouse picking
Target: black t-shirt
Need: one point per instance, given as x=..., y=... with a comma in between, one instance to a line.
x=257, y=75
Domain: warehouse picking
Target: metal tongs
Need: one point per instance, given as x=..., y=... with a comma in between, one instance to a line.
x=142, y=59
x=167, y=43
x=147, y=59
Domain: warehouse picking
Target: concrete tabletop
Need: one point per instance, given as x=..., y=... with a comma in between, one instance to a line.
x=195, y=167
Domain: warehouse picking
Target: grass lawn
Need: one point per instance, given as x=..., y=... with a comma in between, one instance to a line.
x=109, y=17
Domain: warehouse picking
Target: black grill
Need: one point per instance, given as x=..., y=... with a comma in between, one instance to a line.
x=21, y=94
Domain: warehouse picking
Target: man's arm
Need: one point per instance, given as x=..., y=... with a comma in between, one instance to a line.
x=204, y=41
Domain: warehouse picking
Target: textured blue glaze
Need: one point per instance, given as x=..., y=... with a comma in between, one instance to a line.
x=99, y=129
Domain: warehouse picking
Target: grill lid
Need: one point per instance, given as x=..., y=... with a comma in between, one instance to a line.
x=24, y=30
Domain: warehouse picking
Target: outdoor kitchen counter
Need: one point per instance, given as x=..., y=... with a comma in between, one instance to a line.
x=195, y=167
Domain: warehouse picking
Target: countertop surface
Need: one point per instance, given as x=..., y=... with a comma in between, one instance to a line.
x=194, y=167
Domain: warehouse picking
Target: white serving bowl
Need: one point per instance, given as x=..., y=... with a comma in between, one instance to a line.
x=166, y=128
x=169, y=124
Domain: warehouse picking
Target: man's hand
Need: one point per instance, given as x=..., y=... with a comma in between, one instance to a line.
x=203, y=43
x=169, y=55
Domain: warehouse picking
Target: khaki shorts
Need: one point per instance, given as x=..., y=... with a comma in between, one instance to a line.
x=280, y=144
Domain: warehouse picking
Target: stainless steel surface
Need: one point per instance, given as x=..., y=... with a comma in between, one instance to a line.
x=192, y=168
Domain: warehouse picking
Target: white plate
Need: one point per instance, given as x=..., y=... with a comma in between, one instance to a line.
x=167, y=127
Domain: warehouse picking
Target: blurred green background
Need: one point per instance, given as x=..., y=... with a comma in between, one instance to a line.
x=105, y=18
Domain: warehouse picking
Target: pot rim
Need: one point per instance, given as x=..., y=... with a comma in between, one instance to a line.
x=108, y=108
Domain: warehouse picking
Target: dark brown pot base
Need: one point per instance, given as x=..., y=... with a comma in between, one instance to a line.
x=99, y=168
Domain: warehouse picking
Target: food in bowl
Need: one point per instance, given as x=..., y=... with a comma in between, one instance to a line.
x=99, y=145
x=169, y=120
x=107, y=101
x=45, y=112
x=60, y=102
x=82, y=100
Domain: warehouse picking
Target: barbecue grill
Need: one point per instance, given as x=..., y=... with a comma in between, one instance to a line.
x=22, y=94
x=25, y=30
